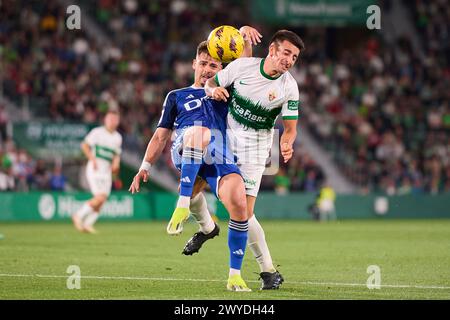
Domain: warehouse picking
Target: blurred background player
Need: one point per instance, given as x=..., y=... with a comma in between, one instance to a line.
x=262, y=88
x=102, y=147
x=324, y=206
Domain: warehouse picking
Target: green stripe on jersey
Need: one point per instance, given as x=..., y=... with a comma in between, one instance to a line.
x=290, y=118
x=250, y=114
x=216, y=78
x=105, y=153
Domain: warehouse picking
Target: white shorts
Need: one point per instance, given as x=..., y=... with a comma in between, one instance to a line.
x=252, y=175
x=99, y=181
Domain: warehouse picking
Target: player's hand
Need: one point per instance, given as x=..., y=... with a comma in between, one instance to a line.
x=135, y=185
x=250, y=34
x=220, y=94
x=286, y=151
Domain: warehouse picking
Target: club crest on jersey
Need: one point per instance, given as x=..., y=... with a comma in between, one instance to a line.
x=272, y=96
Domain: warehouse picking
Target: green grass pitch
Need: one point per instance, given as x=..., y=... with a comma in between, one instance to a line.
x=139, y=261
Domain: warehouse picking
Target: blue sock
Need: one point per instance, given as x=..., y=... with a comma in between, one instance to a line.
x=191, y=162
x=237, y=241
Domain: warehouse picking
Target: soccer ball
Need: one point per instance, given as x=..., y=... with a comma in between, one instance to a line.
x=225, y=43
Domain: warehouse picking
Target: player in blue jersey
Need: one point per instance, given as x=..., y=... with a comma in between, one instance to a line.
x=183, y=110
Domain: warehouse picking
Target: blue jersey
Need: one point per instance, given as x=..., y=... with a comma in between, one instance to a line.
x=183, y=108
x=190, y=106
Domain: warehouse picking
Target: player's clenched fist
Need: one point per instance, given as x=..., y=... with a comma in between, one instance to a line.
x=287, y=151
x=220, y=94
x=135, y=185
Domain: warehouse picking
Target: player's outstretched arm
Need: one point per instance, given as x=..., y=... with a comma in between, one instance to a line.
x=152, y=154
x=251, y=38
x=287, y=139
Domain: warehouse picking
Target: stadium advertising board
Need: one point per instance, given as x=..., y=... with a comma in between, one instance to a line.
x=312, y=12
x=48, y=139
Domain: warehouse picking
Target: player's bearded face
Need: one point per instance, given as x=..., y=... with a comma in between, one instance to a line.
x=284, y=56
x=205, y=67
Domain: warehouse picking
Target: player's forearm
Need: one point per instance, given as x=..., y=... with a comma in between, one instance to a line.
x=115, y=167
x=156, y=146
x=289, y=135
x=210, y=85
x=87, y=151
x=248, y=51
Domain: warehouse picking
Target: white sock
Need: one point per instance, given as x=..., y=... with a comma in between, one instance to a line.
x=183, y=202
x=199, y=210
x=257, y=244
x=234, y=271
x=84, y=211
x=91, y=219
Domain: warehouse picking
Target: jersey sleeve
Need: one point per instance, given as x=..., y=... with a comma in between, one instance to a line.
x=226, y=77
x=289, y=110
x=119, y=145
x=90, y=139
x=169, y=113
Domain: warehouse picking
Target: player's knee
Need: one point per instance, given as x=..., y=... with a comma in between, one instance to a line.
x=101, y=199
x=197, y=137
x=239, y=204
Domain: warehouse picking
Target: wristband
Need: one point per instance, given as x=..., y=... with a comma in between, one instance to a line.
x=145, y=166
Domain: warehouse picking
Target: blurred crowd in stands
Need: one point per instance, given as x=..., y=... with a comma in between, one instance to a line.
x=383, y=113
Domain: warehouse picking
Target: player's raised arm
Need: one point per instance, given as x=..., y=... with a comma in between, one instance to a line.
x=251, y=38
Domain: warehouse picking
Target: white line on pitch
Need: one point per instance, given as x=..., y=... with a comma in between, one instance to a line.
x=336, y=284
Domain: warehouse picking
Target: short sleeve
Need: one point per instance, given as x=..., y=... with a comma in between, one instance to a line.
x=169, y=113
x=289, y=110
x=90, y=138
x=119, y=145
x=226, y=77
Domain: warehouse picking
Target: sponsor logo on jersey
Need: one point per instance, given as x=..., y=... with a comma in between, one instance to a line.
x=250, y=114
x=293, y=105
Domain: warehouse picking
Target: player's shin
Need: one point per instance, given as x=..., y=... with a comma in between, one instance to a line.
x=237, y=241
x=199, y=210
x=258, y=245
x=190, y=165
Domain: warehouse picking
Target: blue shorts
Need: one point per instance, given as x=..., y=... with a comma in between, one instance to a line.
x=218, y=162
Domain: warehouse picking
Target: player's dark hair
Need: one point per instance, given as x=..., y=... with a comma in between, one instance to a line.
x=202, y=48
x=292, y=37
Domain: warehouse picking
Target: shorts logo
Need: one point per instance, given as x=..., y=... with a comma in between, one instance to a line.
x=250, y=183
x=293, y=105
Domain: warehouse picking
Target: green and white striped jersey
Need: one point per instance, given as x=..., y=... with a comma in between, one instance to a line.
x=105, y=145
